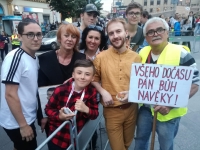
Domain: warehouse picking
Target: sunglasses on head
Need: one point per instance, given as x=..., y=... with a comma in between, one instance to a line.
x=95, y=27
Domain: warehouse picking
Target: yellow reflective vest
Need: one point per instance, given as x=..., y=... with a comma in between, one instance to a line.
x=170, y=56
x=14, y=40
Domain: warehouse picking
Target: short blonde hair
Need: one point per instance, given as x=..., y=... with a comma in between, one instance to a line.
x=120, y=20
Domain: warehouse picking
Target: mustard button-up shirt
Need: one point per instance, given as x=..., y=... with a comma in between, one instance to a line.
x=113, y=70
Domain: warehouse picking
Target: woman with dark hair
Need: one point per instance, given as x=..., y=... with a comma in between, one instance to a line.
x=93, y=41
x=188, y=30
x=168, y=21
x=57, y=66
x=4, y=38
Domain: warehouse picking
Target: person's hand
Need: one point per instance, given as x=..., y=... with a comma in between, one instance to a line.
x=26, y=133
x=63, y=116
x=43, y=123
x=124, y=98
x=164, y=110
x=80, y=106
x=6, y=41
x=107, y=98
x=66, y=81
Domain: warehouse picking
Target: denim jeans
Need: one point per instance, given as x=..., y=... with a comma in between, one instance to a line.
x=166, y=130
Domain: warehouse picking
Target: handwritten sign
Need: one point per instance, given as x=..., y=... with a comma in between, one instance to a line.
x=160, y=84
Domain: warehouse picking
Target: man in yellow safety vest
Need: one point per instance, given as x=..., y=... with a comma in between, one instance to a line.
x=159, y=51
x=15, y=41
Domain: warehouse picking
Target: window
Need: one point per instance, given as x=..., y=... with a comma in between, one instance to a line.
x=145, y=2
x=1, y=25
x=46, y=19
x=158, y=2
x=165, y=1
x=1, y=10
x=152, y=2
x=51, y=34
x=151, y=9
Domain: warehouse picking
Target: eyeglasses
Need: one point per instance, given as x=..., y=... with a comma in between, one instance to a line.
x=158, y=31
x=136, y=14
x=95, y=27
x=32, y=36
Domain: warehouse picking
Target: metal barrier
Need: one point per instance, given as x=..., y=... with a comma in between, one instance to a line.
x=80, y=139
x=89, y=129
x=183, y=38
x=55, y=132
x=197, y=39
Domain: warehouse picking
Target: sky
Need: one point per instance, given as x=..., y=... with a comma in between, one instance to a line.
x=107, y=4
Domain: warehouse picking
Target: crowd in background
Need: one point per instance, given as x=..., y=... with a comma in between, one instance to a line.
x=112, y=46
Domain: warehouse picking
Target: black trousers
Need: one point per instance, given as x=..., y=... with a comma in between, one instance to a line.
x=16, y=138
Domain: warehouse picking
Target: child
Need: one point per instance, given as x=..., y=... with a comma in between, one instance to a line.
x=76, y=94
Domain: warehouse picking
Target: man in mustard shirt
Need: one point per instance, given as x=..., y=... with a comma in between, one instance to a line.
x=113, y=69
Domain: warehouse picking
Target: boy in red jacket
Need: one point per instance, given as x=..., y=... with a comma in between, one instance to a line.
x=77, y=94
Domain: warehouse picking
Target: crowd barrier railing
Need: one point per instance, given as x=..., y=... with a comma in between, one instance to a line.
x=183, y=38
x=85, y=135
x=197, y=39
x=55, y=132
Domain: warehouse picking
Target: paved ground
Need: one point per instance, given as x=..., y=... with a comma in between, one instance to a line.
x=187, y=138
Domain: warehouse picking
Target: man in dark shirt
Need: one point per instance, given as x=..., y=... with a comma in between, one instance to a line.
x=133, y=14
x=53, y=27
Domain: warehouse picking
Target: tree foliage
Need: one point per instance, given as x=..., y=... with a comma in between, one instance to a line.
x=71, y=8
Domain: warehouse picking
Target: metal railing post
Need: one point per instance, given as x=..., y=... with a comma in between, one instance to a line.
x=55, y=132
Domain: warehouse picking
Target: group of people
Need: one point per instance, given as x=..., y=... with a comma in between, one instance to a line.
x=48, y=27
x=86, y=64
x=183, y=26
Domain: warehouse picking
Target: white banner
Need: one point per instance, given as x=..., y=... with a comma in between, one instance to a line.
x=160, y=84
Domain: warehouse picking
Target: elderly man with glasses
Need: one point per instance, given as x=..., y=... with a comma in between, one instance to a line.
x=156, y=32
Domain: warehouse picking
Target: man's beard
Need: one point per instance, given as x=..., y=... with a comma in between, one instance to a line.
x=121, y=45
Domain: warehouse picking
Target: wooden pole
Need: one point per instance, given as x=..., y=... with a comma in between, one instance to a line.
x=153, y=131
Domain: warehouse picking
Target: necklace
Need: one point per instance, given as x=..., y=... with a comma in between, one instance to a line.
x=92, y=57
x=64, y=62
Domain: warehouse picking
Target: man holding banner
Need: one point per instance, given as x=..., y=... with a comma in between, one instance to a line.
x=159, y=51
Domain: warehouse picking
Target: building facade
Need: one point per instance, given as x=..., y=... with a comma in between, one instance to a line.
x=158, y=7
x=15, y=10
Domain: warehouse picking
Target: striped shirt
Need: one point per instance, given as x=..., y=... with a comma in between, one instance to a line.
x=21, y=69
x=186, y=59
